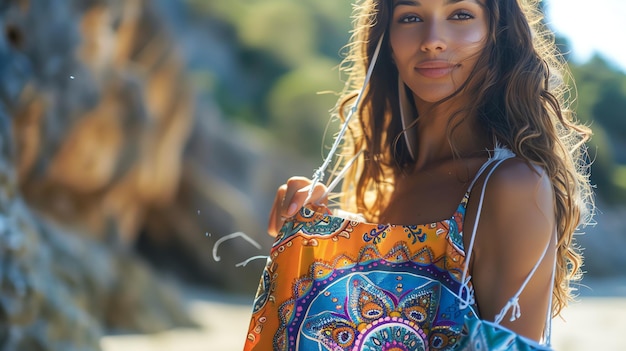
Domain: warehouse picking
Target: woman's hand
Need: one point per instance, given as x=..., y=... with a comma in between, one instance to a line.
x=290, y=198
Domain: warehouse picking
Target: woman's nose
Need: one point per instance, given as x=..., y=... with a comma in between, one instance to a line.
x=433, y=39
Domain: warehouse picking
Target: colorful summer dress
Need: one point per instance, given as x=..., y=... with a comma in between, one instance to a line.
x=336, y=284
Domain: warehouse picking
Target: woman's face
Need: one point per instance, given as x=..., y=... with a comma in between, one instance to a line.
x=435, y=44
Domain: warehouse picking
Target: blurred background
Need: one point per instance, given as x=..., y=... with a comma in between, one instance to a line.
x=135, y=134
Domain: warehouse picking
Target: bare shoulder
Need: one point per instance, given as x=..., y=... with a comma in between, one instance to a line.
x=519, y=206
x=516, y=225
x=516, y=175
x=520, y=195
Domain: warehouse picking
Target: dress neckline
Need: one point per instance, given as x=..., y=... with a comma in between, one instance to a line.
x=498, y=153
x=460, y=211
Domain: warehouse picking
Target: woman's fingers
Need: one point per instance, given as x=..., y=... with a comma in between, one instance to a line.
x=290, y=204
x=290, y=198
x=301, y=197
x=275, y=222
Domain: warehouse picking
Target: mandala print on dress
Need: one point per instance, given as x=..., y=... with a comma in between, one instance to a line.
x=266, y=286
x=455, y=232
x=314, y=225
x=375, y=319
x=263, y=296
x=354, y=286
x=481, y=335
x=371, y=317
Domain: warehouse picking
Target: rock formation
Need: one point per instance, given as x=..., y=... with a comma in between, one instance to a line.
x=95, y=113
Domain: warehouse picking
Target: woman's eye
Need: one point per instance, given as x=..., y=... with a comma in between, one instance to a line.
x=410, y=19
x=462, y=16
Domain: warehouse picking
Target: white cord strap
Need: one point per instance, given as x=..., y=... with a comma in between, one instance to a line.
x=466, y=292
x=341, y=174
x=230, y=237
x=318, y=176
x=513, y=303
x=547, y=331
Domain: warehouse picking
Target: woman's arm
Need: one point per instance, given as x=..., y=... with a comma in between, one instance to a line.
x=516, y=225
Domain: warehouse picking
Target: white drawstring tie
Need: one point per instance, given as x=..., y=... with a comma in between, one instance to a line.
x=468, y=299
x=516, y=310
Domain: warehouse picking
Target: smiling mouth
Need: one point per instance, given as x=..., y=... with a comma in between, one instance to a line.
x=435, y=69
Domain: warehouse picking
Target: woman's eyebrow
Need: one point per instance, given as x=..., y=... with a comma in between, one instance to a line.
x=407, y=3
x=416, y=3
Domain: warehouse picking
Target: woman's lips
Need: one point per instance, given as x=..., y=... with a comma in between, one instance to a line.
x=434, y=69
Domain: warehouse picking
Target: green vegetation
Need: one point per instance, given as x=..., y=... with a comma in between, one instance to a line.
x=602, y=104
x=289, y=51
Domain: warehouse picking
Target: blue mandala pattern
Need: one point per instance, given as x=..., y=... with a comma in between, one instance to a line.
x=371, y=317
x=348, y=285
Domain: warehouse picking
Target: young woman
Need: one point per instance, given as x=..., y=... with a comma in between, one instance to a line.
x=465, y=182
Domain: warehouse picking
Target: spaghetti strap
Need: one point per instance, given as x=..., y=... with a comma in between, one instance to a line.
x=466, y=291
x=499, y=153
x=547, y=330
x=513, y=302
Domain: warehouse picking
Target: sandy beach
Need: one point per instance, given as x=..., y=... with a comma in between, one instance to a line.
x=594, y=322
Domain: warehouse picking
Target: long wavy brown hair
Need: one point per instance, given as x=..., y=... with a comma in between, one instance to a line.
x=522, y=100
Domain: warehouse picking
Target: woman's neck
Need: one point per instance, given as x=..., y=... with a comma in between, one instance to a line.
x=433, y=137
